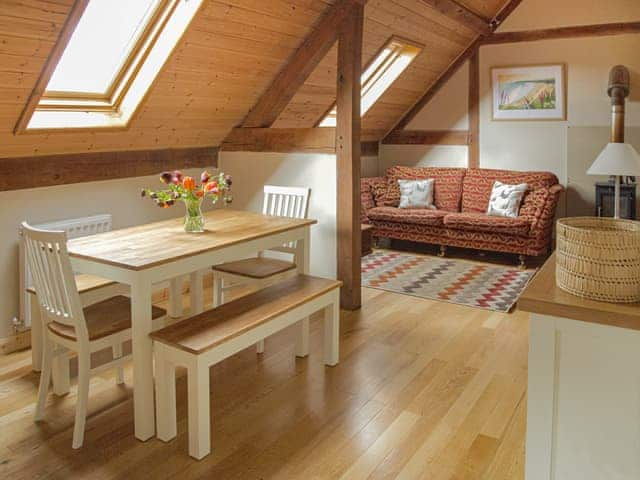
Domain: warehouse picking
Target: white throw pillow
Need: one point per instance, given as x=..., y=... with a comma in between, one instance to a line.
x=416, y=193
x=505, y=199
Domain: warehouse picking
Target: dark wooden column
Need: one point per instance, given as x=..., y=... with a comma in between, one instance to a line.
x=348, y=157
x=474, y=110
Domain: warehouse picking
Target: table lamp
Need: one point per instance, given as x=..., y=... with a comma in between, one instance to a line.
x=619, y=159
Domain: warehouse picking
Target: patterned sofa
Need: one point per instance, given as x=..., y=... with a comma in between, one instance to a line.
x=461, y=198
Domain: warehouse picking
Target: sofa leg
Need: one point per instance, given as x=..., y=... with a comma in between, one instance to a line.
x=522, y=261
x=443, y=251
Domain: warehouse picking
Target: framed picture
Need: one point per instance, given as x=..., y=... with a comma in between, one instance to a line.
x=529, y=92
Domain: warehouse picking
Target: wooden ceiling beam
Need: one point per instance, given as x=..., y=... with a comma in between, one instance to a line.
x=288, y=140
x=49, y=170
x=471, y=50
x=504, y=13
x=427, y=137
x=461, y=14
x=300, y=65
x=285, y=140
x=579, y=31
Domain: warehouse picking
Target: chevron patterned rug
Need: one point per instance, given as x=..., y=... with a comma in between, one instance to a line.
x=486, y=286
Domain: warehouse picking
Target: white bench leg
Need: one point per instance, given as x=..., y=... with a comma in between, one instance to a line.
x=116, y=349
x=60, y=373
x=175, y=297
x=199, y=423
x=195, y=293
x=165, y=398
x=260, y=346
x=332, y=333
x=36, y=333
x=302, y=341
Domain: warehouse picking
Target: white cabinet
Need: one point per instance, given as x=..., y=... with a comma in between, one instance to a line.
x=583, y=419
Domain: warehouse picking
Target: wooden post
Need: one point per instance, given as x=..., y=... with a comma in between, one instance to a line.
x=474, y=110
x=348, y=157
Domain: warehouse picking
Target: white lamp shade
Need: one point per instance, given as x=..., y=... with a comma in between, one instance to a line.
x=617, y=159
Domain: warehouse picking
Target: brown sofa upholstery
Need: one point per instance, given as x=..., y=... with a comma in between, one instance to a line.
x=461, y=197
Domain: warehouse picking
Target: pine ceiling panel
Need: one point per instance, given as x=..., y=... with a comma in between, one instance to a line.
x=443, y=40
x=226, y=59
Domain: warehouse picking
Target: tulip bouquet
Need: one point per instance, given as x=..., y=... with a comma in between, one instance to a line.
x=185, y=189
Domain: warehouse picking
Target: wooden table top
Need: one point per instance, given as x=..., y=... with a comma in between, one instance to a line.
x=152, y=244
x=543, y=296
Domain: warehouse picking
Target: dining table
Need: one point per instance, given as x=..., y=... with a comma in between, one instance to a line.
x=144, y=255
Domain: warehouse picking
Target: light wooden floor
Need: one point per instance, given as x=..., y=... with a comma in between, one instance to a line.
x=423, y=390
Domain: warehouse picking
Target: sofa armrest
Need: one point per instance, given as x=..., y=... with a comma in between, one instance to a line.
x=367, y=195
x=542, y=223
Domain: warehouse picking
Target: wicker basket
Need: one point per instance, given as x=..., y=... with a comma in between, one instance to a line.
x=599, y=258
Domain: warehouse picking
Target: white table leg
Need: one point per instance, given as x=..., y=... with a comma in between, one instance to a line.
x=303, y=263
x=141, y=326
x=332, y=332
x=195, y=293
x=36, y=333
x=175, y=297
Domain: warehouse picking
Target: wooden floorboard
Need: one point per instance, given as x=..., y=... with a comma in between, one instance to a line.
x=424, y=389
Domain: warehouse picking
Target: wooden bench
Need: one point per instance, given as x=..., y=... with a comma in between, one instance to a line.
x=210, y=337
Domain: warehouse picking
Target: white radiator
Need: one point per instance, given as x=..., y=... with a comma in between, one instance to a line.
x=75, y=227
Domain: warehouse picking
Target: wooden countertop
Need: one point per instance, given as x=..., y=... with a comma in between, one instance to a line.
x=543, y=296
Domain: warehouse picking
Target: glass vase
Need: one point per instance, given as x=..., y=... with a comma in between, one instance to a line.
x=194, y=220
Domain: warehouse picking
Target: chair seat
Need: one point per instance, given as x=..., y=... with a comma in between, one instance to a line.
x=104, y=318
x=257, y=268
x=85, y=283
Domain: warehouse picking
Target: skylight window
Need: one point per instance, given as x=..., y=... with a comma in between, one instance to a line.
x=385, y=68
x=112, y=54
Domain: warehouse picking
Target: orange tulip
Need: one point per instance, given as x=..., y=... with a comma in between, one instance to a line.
x=189, y=183
x=199, y=193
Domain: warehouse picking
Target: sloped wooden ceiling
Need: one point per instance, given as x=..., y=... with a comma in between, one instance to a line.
x=228, y=56
x=443, y=38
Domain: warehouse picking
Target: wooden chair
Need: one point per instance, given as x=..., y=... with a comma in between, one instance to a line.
x=69, y=326
x=261, y=271
x=92, y=290
x=210, y=337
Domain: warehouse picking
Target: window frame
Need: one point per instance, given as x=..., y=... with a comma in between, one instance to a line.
x=379, y=71
x=111, y=101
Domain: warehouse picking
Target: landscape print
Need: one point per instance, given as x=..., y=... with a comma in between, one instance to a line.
x=528, y=93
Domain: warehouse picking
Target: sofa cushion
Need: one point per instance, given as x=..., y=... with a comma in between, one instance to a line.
x=478, y=183
x=447, y=187
x=480, y=222
x=415, y=216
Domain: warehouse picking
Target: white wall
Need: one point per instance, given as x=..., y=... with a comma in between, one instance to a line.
x=447, y=110
x=121, y=198
x=251, y=171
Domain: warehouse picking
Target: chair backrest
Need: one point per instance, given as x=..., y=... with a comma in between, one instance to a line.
x=53, y=278
x=292, y=202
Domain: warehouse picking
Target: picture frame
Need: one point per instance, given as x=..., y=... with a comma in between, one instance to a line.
x=529, y=92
